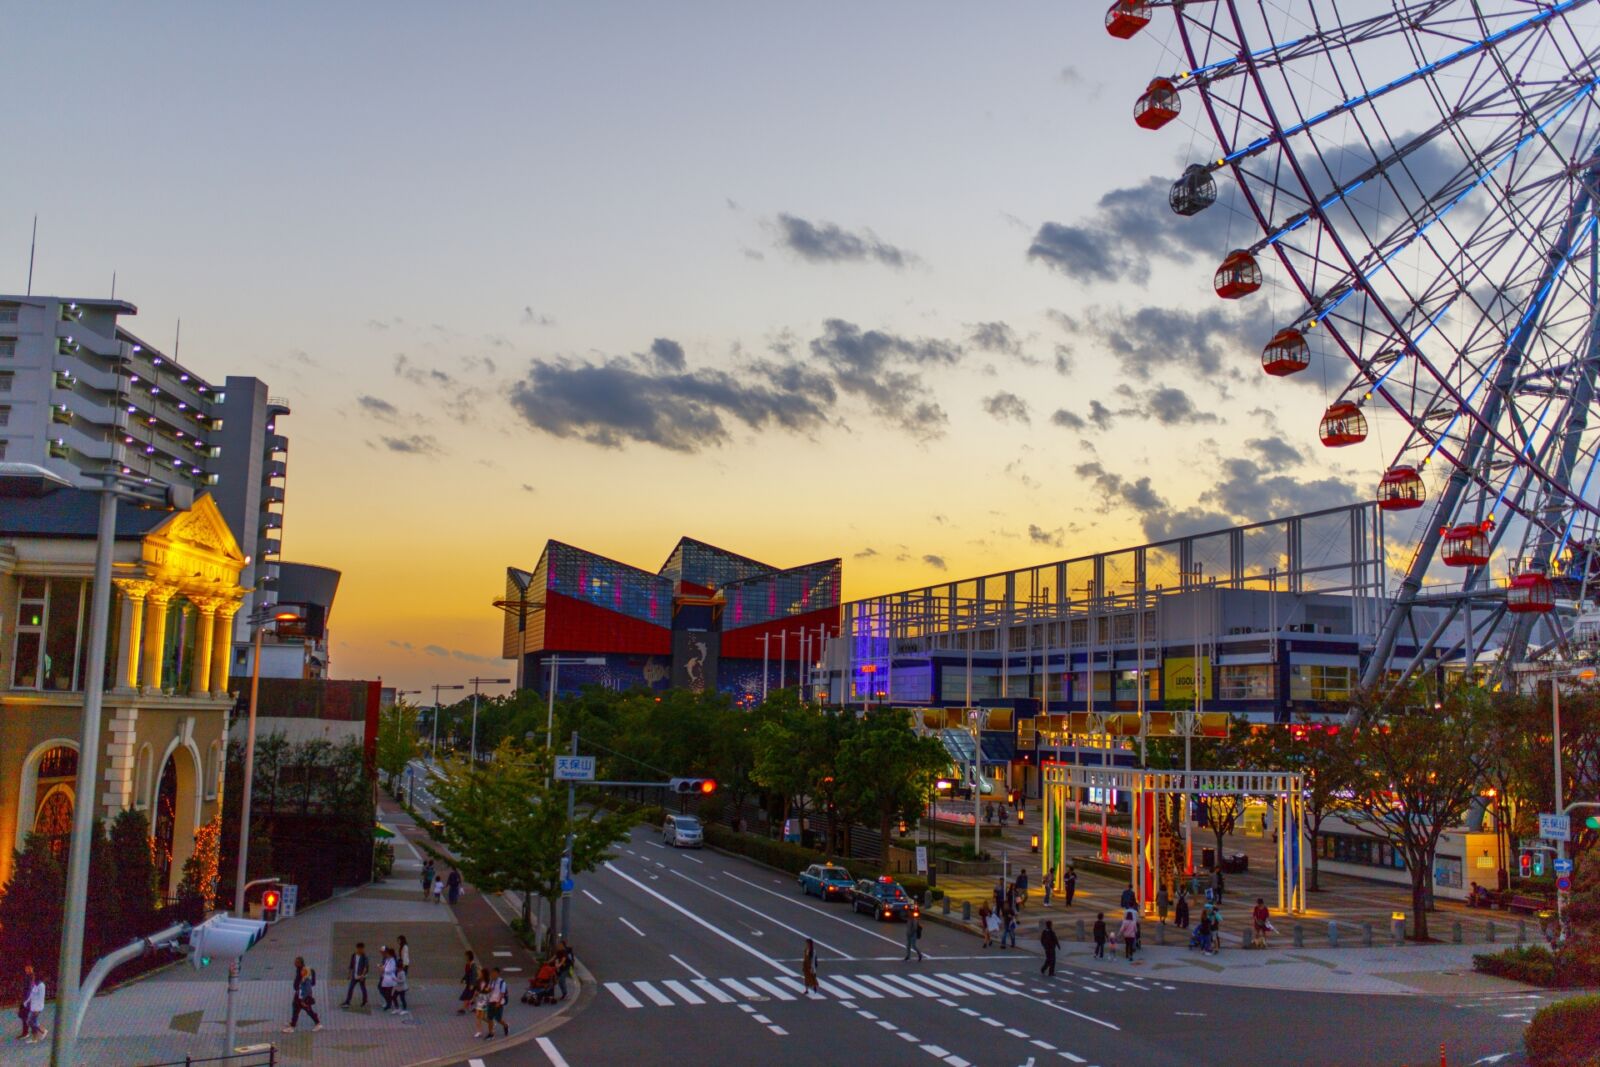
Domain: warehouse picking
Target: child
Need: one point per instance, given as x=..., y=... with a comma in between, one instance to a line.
x=480, y=1006
x=1100, y=936
x=438, y=890
x=402, y=983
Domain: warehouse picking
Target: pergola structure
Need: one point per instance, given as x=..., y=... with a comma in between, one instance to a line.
x=1160, y=804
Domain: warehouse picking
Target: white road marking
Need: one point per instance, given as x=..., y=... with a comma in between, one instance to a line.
x=1047, y=1046
x=935, y=1050
x=772, y=988
x=691, y=859
x=685, y=966
x=887, y=1025
x=711, y=990
x=762, y=1019
x=621, y=993
x=683, y=991
x=1070, y=1056
x=1014, y=1032
x=592, y=897
x=865, y=991
x=966, y=983
x=549, y=1049
x=476, y=1063
x=780, y=1031
x=630, y=926
x=756, y=911
x=762, y=956
x=956, y=1061
x=741, y=989
x=819, y=911
x=499, y=952
x=980, y=980
x=654, y=994
x=887, y=987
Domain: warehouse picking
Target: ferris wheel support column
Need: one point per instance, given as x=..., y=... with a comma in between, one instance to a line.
x=1400, y=610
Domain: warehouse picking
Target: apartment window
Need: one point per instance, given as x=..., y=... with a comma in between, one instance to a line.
x=5, y=414
x=2, y=448
x=5, y=380
x=8, y=313
x=8, y=347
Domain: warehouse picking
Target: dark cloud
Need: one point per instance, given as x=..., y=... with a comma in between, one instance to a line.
x=936, y=562
x=470, y=657
x=1007, y=407
x=526, y=488
x=1063, y=360
x=1040, y=536
x=1100, y=415
x=376, y=405
x=1171, y=406
x=1275, y=453
x=1082, y=254
x=884, y=370
x=994, y=337
x=437, y=650
x=403, y=645
x=416, y=444
x=419, y=375
x=824, y=242
x=1150, y=342
x=668, y=355
x=1068, y=420
x=866, y=553
x=531, y=317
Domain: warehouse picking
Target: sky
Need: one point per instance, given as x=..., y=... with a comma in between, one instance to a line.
x=893, y=282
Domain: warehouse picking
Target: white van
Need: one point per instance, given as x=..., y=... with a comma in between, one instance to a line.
x=682, y=831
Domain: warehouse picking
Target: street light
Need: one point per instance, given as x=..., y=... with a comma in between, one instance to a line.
x=437, y=689
x=264, y=615
x=555, y=663
x=475, y=683
x=114, y=483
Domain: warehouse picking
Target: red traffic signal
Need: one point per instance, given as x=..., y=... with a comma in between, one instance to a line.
x=1527, y=864
x=708, y=786
x=269, y=899
x=690, y=786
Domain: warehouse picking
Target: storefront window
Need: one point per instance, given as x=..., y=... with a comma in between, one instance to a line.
x=1246, y=682
x=1308, y=681
x=49, y=634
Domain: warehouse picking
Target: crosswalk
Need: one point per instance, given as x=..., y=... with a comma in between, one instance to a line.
x=672, y=993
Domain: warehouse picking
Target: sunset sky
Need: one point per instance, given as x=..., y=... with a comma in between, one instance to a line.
x=894, y=282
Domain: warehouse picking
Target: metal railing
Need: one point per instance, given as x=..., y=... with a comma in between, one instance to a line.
x=266, y=1056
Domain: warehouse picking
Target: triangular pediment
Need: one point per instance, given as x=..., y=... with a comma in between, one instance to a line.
x=201, y=529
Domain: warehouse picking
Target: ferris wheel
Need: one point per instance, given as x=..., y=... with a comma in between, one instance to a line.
x=1420, y=178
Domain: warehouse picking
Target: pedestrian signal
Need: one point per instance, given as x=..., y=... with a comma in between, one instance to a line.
x=1526, y=862
x=271, y=900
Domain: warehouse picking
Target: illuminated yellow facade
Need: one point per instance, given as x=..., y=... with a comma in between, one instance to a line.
x=164, y=723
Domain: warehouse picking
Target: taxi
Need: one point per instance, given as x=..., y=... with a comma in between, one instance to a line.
x=826, y=881
x=882, y=898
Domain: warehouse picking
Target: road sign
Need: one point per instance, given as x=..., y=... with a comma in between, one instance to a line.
x=1563, y=866
x=1564, y=883
x=922, y=859
x=291, y=902
x=574, y=768
x=1555, y=827
x=566, y=885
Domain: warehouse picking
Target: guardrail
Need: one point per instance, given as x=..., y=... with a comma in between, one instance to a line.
x=265, y=1056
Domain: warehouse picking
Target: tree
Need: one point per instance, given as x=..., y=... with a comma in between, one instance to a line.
x=886, y=771
x=134, y=873
x=397, y=740
x=197, y=891
x=1235, y=752
x=1313, y=750
x=30, y=907
x=1414, y=766
x=505, y=827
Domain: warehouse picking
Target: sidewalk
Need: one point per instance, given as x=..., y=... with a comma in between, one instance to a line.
x=180, y=1011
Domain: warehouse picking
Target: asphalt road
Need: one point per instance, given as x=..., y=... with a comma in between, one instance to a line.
x=697, y=955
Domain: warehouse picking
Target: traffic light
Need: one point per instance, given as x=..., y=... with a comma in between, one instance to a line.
x=1538, y=864
x=1526, y=862
x=1592, y=822
x=220, y=938
x=271, y=900
x=691, y=786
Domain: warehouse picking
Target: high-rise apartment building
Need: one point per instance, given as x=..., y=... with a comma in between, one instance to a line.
x=79, y=394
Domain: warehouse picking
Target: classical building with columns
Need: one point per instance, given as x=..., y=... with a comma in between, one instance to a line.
x=164, y=725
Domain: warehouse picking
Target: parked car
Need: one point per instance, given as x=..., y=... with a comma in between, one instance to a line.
x=826, y=881
x=882, y=899
x=683, y=831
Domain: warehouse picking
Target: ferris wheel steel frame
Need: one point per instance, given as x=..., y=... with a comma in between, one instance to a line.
x=1489, y=356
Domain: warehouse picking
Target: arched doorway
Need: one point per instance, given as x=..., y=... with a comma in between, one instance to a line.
x=56, y=775
x=166, y=821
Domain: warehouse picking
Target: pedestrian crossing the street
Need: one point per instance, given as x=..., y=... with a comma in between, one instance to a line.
x=674, y=993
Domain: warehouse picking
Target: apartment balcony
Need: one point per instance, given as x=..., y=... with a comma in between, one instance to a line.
x=272, y=494
x=277, y=405
x=271, y=520
x=276, y=469
x=73, y=332
x=277, y=443
x=271, y=548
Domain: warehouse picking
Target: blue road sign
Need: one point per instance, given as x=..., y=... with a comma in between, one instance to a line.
x=566, y=885
x=1563, y=866
x=1564, y=883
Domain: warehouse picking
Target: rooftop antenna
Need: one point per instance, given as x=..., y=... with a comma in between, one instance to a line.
x=177, y=335
x=32, y=247
x=113, y=285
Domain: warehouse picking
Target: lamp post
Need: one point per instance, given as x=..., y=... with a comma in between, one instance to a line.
x=555, y=663
x=475, y=683
x=260, y=619
x=437, y=689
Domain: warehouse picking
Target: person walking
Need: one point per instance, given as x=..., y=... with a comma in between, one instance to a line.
x=1163, y=904
x=1008, y=939
x=1180, y=914
x=983, y=921
x=498, y=995
x=1050, y=943
x=386, y=975
x=359, y=966
x=913, y=935
x=438, y=890
x=470, y=977
x=808, y=968
x=33, y=1005
x=402, y=985
x=305, y=999
x=452, y=885
x=1100, y=936
x=1049, y=885
x=1022, y=888
x=480, y=1004
x=991, y=929
x=1128, y=899
x=999, y=893
x=402, y=954
x=1260, y=923
x=563, y=961
x=427, y=878
x=1128, y=930
x=1070, y=885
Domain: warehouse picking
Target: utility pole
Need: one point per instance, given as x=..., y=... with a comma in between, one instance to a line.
x=434, y=756
x=475, y=683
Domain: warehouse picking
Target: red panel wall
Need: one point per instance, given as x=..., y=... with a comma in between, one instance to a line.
x=574, y=625
x=745, y=643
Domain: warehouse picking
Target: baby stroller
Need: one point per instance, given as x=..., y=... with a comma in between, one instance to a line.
x=542, y=986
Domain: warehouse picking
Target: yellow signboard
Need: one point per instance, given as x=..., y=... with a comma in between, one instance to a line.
x=1179, y=673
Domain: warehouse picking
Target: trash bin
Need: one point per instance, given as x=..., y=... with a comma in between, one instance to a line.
x=1208, y=858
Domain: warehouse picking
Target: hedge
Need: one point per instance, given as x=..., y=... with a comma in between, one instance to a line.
x=1565, y=1034
x=787, y=856
x=1532, y=964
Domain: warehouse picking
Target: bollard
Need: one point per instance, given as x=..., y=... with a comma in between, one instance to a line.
x=1083, y=934
x=1397, y=931
x=944, y=904
x=1522, y=930
x=1333, y=933
x=1299, y=936
x=1366, y=935
x=966, y=911
x=1455, y=932
x=1161, y=934
x=1488, y=931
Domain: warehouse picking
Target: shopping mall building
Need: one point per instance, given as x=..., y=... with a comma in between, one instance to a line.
x=706, y=619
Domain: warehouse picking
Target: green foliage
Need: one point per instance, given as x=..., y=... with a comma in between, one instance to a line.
x=784, y=855
x=1316, y=752
x=133, y=871
x=382, y=860
x=1532, y=964
x=506, y=825
x=397, y=739
x=885, y=771
x=1565, y=1034
x=30, y=907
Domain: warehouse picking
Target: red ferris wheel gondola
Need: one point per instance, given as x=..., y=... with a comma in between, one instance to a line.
x=1530, y=593
x=1466, y=545
x=1287, y=353
x=1401, y=489
x=1127, y=17
x=1343, y=424
x=1157, y=106
x=1239, y=275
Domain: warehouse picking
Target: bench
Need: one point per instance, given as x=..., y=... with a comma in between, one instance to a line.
x=1525, y=905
